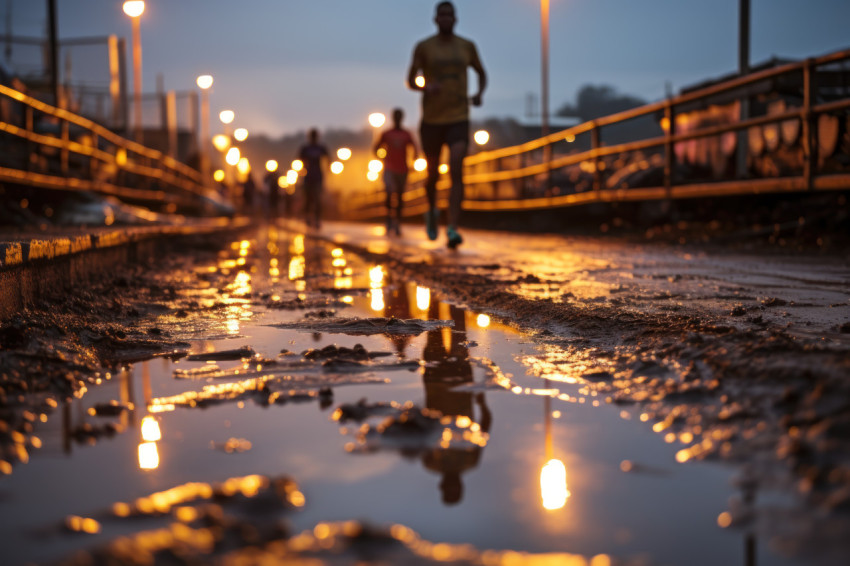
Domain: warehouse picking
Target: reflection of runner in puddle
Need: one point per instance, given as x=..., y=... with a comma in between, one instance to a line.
x=447, y=366
x=397, y=304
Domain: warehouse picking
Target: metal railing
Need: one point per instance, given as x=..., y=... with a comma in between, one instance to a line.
x=781, y=129
x=48, y=147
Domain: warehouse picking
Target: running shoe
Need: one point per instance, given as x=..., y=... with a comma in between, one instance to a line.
x=431, y=224
x=454, y=238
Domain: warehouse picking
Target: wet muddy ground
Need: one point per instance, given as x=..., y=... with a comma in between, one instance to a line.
x=285, y=397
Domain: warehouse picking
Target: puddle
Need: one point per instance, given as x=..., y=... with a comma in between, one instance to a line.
x=429, y=422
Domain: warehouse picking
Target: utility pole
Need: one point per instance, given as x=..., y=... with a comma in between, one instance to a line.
x=743, y=69
x=54, y=51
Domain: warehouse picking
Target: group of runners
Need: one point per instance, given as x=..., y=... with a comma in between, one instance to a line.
x=438, y=69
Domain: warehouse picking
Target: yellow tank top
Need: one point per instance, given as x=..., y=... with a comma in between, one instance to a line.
x=445, y=62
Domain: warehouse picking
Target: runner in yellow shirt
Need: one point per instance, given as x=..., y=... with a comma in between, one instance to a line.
x=442, y=61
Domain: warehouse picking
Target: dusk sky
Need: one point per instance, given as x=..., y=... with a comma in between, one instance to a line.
x=286, y=65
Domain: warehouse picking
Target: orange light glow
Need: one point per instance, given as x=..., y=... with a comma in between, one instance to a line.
x=221, y=142
x=226, y=116
x=553, y=485
x=150, y=429
x=297, y=165
x=375, y=165
x=271, y=165
x=204, y=81
x=419, y=81
x=218, y=176
x=443, y=168
x=243, y=165
x=377, y=299
x=420, y=164
x=423, y=298
x=232, y=157
x=376, y=119
x=372, y=176
x=376, y=276
x=481, y=137
x=337, y=167
x=134, y=8
x=343, y=153
x=483, y=321
x=241, y=134
x=148, y=456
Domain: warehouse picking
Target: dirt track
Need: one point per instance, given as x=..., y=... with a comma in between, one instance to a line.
x=745, y=370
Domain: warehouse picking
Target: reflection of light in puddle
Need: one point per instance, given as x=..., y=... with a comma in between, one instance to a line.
x=483, y=321
x=241, y=286
x=298, y=244
x=296, y=267
x=150, y=429
x=148, y=456
x=82, y=524
x=553, y=485
x=423, y=298
x=377, y=302
x=380, y=247
x=376, y=276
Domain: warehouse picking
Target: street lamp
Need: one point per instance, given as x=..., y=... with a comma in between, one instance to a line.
x=204, y=83
x=134, y=9
x=227, y=117
x=376, y=119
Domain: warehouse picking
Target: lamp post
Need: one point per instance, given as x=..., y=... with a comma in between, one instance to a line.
x=227, y=117
x=544, y=87
x=134, y=9
x=544, y=66
x=204, y=83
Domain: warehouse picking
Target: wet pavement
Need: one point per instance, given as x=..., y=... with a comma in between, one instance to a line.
x=353, y=397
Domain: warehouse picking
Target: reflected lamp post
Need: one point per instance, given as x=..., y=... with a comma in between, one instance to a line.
x=553, y=474
x=135, y=9
x=204, y=83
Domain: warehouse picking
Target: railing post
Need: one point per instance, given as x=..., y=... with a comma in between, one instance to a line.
x=521, y=181
x=92, y=159
x=810, y=150
x=64, y=151
x=669, y=154
x=594, y=145
x=29, y=122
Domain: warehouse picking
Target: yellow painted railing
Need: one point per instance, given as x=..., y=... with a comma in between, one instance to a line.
x=49, y=147
x=782, y=129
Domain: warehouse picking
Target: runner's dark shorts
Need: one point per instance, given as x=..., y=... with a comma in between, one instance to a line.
x=433, y=136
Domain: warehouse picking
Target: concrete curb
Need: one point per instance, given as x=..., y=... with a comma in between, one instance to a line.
x=32, y=266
